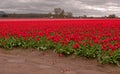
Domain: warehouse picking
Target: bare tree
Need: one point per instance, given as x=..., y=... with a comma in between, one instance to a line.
x=62, y=14
x=49, y=14
x=57, y=12
x=68, y=14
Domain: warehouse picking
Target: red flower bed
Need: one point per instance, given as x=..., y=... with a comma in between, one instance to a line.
x=96, y=38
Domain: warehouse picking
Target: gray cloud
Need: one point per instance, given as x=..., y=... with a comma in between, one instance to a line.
x=77, y=7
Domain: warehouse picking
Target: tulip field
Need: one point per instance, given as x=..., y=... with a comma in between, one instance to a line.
x=91, y=38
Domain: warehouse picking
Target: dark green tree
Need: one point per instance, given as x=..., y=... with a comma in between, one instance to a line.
x=112, y=16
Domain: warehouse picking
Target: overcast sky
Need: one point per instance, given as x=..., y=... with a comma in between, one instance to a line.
x=77, y=7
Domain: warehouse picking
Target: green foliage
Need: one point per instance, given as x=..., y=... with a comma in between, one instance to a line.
x=88, y=51
x=66, y=50
x=113, y=58
x=94, y=51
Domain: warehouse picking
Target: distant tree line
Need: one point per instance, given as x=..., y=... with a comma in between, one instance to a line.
x=109, y=16
x=57, y=13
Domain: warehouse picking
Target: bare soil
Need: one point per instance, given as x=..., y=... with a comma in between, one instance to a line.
x=30, y=61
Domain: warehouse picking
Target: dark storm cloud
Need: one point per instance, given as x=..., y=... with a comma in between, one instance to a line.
x=77, y=7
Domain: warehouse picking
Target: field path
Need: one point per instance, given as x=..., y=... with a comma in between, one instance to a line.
x=19, y=61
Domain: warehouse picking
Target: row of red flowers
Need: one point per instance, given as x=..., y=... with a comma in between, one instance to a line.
x=85, y=38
